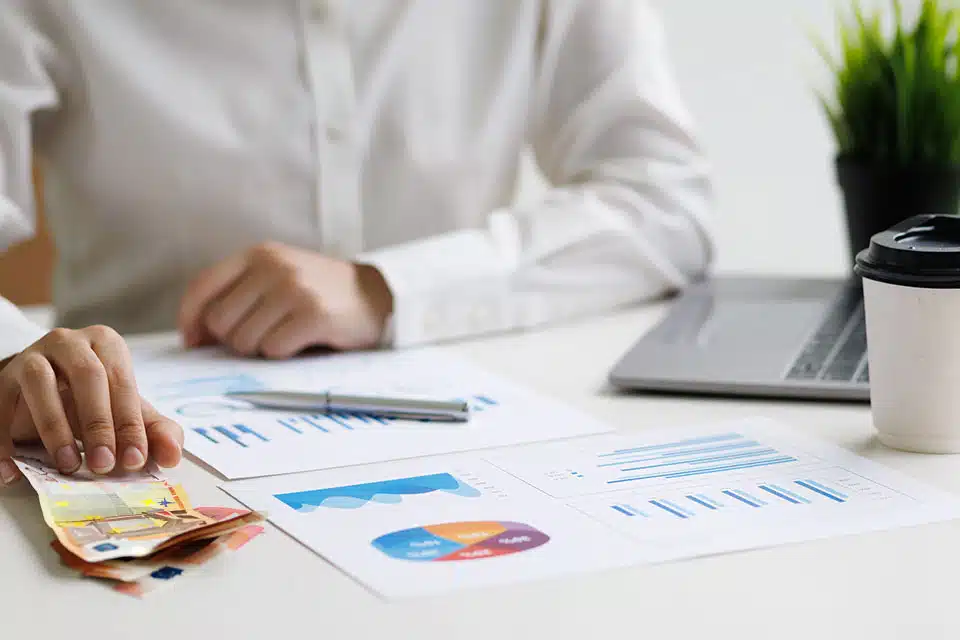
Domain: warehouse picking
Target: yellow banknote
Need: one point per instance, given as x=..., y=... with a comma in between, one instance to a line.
x=124, y=515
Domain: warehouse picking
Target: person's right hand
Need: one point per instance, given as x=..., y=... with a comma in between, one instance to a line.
x=79, y=385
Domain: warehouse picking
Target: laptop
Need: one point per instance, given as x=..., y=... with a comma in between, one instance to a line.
x=764, y=337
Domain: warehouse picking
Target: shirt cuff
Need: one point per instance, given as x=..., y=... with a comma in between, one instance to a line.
x=448, y=286
x=17, y=332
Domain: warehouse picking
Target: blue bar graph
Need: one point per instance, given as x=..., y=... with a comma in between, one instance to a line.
x=702, y=502
x=245, y=429
x=359, y=416
x=617, y=507
x=647, y=457
x=230, y=435
x=289, y=425
x=779, y=494
x=730, y=456
x=686, y=458
x=206, y=434
x=668, y=509
x=819, y=488
x=674, y=445
x=706, y=470
x=736, y=496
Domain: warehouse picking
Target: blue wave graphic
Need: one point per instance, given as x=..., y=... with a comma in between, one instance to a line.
x=384, y=492
x=210, y=386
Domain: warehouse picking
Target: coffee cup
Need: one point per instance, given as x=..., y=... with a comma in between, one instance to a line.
x=911, y=293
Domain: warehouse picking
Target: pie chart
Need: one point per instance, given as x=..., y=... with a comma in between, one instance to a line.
x=458, y=541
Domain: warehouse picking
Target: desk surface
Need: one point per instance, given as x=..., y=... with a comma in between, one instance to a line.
x=896, y=584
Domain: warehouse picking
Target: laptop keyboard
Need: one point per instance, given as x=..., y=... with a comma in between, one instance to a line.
x=837, y=350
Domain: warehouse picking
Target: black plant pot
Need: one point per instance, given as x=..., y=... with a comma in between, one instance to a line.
x=877, y=197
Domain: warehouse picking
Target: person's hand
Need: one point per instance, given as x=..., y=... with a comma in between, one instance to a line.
x=276, y=301
x=79, y=385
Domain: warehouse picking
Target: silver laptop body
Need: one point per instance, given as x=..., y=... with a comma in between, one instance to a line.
x=774, y=337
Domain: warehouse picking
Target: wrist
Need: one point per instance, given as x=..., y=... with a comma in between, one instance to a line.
x=376, y=293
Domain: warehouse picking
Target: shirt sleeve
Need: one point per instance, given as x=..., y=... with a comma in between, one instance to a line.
x=17, y=332
x=28, y=92
x=628, y=217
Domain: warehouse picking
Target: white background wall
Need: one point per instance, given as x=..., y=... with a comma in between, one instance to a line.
x=750, y=73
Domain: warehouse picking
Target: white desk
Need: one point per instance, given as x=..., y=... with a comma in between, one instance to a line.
x=899, y=584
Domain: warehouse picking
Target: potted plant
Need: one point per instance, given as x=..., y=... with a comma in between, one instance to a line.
x=895, y=116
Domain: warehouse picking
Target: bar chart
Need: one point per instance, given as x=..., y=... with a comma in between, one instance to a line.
x=688, y=458
x=573, y=471
x=689, y=505
x=261, y=428
x=241, y=440
x=710, y=509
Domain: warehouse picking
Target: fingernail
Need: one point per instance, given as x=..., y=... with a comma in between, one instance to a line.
x=101, y=460
x=68, y=459
x=133, y=459
x=8, y=472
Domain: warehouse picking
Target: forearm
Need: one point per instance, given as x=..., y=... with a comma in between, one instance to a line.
x=581, y=251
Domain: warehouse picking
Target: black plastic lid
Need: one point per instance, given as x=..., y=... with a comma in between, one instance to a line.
x=922, y=251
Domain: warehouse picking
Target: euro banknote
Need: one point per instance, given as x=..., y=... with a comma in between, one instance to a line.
x=141, y=576
x=123, y=515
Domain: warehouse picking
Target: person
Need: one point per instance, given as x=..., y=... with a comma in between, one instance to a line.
x=273, y=176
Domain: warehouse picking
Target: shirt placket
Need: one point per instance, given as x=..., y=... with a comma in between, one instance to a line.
x=330, y=68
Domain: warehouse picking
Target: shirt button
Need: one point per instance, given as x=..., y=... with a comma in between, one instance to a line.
x=319, y=10
x=334, y=134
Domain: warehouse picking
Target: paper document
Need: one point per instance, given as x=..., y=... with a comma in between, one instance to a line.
x=241, y=442
x=434, y=525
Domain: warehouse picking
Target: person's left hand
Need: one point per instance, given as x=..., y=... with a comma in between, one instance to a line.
x=275, y=300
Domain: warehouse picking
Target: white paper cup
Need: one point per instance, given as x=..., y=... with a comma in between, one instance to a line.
x=911, y=289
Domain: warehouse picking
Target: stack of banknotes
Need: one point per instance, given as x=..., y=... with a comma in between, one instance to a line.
x=136, y=531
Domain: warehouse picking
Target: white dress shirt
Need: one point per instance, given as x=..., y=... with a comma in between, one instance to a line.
x=175, y=133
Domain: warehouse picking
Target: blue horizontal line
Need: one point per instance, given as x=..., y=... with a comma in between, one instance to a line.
x=698, y=472
x=750, y=496
x=621, y=510
x=312, y=420
x=203, y=432
x=245, y=429
x=825, y=488
x=230, y=435
x=673, y=445
x=709, y=500
x=339, y=419
x=780, y=495
x=737, y=496
x=674, y=505
x=486, y=400
x=667, y=509
x=676, y=454
x=289, y=425
x=826, y=494
x=730, y=456
x=702, y=502
x=787, y=492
